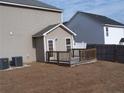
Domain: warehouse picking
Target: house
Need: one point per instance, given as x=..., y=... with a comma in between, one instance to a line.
x=55, y=37
x=27, y=29
x=95, y=29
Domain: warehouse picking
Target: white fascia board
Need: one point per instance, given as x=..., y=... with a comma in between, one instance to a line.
x=58, y=26
x=29, y=6
x=118, y=26
x=45, y=48
x=51, y=30
x=62, y=16
x=68, y=29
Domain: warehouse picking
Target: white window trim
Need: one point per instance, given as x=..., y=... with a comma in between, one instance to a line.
x=107, y=31
x=53, y=44
x=73, y=41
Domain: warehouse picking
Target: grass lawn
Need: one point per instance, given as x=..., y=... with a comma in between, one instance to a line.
x=100, y=77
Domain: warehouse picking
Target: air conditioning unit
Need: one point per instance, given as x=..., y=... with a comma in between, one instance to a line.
x=17, y=61
x=4, y=63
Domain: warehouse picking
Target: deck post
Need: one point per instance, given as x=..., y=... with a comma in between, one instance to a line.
x=48, y=56
x=73, y=52
x=70, y=57
x=85, y=55
x=58, y=57
x=79, y=55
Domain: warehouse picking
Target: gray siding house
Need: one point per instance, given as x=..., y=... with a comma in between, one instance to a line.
x=21, y=20
x=95, y=29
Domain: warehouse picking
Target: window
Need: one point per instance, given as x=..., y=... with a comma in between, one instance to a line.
x=107, y=31
x=50, y=45
x=68, y=44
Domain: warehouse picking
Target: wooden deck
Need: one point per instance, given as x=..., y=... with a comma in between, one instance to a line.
x=73, y=57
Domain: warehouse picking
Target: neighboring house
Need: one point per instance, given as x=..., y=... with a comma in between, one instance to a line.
x=95, y=29
x=20, y=19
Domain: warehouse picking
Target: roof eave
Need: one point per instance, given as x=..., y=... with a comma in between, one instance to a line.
x=58, y=26
x=37, y=36
x=120, y=26
x=68, y=29
x=29, y=6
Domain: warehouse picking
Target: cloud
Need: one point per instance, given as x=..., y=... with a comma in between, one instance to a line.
x=111, y=8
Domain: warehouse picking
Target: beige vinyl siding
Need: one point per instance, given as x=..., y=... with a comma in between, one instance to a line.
x=0, y=38
x=23, y=23
x=59, y=35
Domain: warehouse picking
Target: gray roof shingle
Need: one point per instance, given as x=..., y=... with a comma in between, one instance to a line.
x=122, y=40
x=65, y=23
x=39, y=34
x=35, y=3
x=44, y=30
x=102, y=19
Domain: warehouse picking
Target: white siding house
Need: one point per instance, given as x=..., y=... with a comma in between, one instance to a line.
x=113, y=34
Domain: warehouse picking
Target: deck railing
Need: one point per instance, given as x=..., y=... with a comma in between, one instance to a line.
x=58, y=56
x=68, y=56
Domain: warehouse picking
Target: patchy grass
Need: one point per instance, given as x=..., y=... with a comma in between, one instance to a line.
x=101, y=77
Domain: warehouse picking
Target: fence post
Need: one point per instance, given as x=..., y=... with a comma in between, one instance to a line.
x=115, y=53
x=95, y=53
x=85, y=55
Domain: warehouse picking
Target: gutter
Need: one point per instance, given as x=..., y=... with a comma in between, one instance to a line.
x=30, y=6
x=119, y=26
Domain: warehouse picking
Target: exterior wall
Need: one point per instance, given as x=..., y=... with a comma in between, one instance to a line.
x=115, y=35
x=87, y=29
x=59, y=36
x=22, y=23
x=39, y=43
x=0, y=38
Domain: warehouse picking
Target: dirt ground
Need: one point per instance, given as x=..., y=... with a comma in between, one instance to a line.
x=100, y=77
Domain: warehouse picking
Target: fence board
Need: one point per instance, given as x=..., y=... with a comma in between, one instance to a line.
x=109, y=52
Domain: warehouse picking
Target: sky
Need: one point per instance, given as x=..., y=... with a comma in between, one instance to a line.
x=110, y=8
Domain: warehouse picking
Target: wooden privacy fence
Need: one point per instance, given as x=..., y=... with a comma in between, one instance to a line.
x=109, y=52
x=87, y=54
x=119, y=54
x=68, y=57
x=84, y=54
